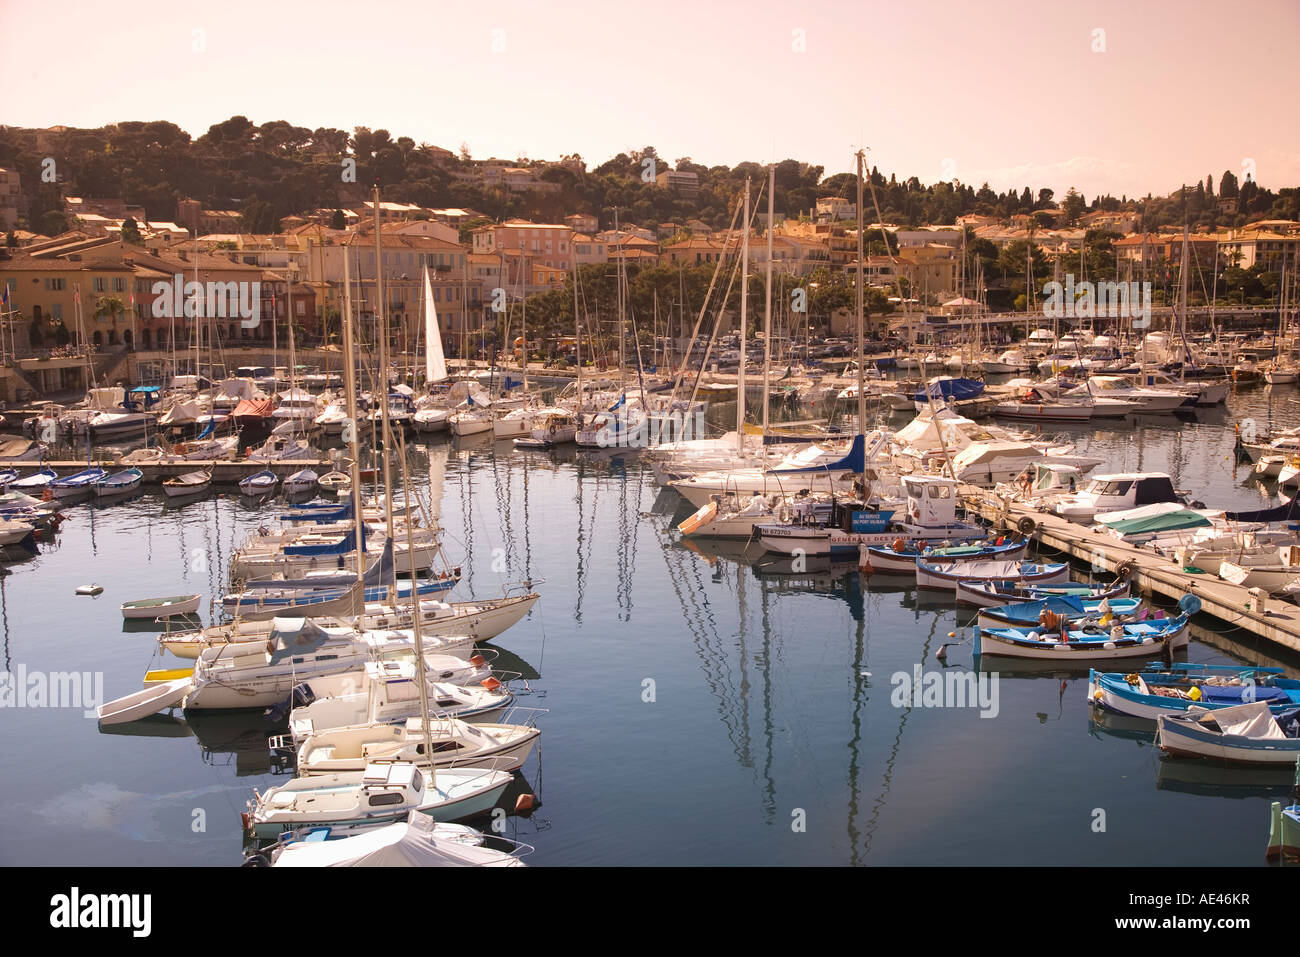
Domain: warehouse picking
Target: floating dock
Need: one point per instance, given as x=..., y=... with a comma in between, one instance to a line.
x=1152, y=573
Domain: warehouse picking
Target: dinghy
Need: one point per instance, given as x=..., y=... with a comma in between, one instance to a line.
x=191, y=483
x=119, y=483
x=944, y=576
x=1069, y=645
x=990, y=593
x=259, y=484
x=335, y=481
x=300, y=482
x=161, y=607
x=156, y=697
x=901, y=557
x=1244, y=734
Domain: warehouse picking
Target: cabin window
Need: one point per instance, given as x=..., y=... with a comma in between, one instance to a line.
x=940, y=491
x=380, y=800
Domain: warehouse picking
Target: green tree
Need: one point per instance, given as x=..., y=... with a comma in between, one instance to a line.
x=338, y=222
x=131, y=232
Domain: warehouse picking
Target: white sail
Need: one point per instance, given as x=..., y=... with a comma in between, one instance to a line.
x=435, y=364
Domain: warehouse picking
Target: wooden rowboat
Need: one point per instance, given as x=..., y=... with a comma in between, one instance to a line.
x=161, y=607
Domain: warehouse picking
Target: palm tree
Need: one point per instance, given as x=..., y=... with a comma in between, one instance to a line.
x=108, y=306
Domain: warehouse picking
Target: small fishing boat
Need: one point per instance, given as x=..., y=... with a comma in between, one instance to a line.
x=300, y=482
x=119, y=483
x=7, y=476
x=35, y=482
x=901, y=557
x=1060, y=642
x=259, y=484
x=989, y=593
x=78, y=484
x=161, y=607
x=191, y=483
x=944, y=576
x=1243, y=734
x=1157, y=690
x=1030, y=613
x=335, y=481
x=383, y=793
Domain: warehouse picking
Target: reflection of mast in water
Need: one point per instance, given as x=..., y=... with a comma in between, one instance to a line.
x=528, y=541
x=746, y=755
x=585, y=536
x=859, y=695
x=704, y=634
x=886, y=779
x=629, y=525
x=769, y=786
x=503, y=512
x=466, y=518
x=4, y=617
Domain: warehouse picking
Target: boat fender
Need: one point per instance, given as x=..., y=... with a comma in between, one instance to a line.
x=899, y=545
x=478, y=661
x=255, y=859
x=1060, y=647
x=525, y=802
x=1148, y=641
x=92, y=590
x=492, y=684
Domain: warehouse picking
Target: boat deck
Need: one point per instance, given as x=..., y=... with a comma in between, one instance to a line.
x=1152, y=572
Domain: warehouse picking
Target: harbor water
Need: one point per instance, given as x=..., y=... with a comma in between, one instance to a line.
x=701, y=708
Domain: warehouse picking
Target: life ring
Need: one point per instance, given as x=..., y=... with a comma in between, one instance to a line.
x=551, y=429
x=1026, y=526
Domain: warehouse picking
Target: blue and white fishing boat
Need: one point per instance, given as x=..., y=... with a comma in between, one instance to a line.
x=901, y=557
x=1243, y=734
x=990, y=593
x=36, y=482
x=944, y=575
x=260, y=483
x=1157, y=690
x=1068, y=607
x=301, y=482
x=78, y=484
x=7, y=476
x=119, y=483
x=1068, y=645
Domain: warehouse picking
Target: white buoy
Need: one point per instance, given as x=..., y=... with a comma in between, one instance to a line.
x=91, y=590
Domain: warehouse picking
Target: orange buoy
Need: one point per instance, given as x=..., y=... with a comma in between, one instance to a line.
x=478, y=661
x=899, y=545
x=525, y=802
x=490, y=683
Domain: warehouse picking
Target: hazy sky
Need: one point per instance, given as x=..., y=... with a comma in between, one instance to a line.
x=1008, y=92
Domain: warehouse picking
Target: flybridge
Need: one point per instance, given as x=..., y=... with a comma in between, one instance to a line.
x=220, y=300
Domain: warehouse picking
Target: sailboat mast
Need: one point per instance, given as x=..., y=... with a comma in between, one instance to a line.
x=415, y=623
x=382, y=321
x=744, y=302
x=767, y=303
x=350, y=390
x=577, y=333
x=862, y=390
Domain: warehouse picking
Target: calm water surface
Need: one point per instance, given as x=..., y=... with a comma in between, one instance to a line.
x=701, y=710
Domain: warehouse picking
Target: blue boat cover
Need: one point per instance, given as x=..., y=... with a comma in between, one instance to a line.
x=1286, y=512
x=955, y=389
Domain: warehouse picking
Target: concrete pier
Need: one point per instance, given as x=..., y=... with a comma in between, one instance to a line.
x=1152, y=573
